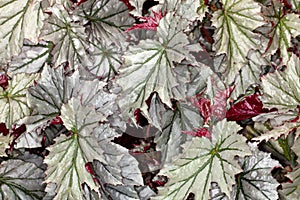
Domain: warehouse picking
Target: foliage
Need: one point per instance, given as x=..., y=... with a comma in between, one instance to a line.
x=140, y=99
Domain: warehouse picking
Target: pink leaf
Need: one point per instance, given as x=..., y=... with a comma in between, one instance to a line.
x=203, y=105
x=148, y=23
x=220, y=102
x=200, y=132
x=250, y=107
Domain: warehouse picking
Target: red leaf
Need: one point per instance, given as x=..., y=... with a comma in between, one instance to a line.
x=160, y=180
x=149, y=23
x=220, y=102
x=89, y=168
x=250, y=107
x=3, y=81
x=139, y=117
x=203, y=105
x=200, y=132
x=3, y=129
x=56, y=120
x=16, y=132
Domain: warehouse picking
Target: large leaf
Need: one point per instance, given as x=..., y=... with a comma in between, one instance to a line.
x=68, y=37
x=89, y=141
x=284, y=27
x=52, y=90
x=150, y=65
x=106, y=20
x=31, y=59
x=21, y=180
x=282, y=89
x=204, y=161
x=55, y=88
x=13, y=100
x=256, y=181
x=234, y=34
x=68, y=156
x=66, y=164
x=19, y=20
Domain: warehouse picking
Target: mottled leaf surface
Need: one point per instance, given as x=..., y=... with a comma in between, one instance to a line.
x=256, y=181
x=234, y=34
x=281, y=89
x=21, y=180
x=68, y=37
x=19, y=20
x=150, y=64
x=13, y=100
x=193, y=170
x=31, y=59
x=284, y=27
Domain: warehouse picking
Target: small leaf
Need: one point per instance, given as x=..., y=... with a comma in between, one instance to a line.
x=21, y=180
x=194, y=170
x=3, y=81
x=106, y=21
x=234, y=34
x=47, y=96
x=138, y=7
x=171, y=138
x=107, y=60
x=5, y=139
x=122, y=168
x=188, y=9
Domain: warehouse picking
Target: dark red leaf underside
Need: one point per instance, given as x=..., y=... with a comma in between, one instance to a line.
x=250, y=107
x=3, y=81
